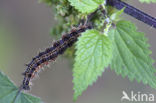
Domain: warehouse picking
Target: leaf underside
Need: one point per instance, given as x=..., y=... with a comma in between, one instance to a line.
x=8, y=92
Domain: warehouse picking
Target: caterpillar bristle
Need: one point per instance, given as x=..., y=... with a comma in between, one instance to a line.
x=65, y=37
x=49, y=65
x=57, y=43
x=30, y=84
x=26, y=65
x=41, y=53
x=33, y=58
x=50, y=54
x=47, y=50
x=73, y=29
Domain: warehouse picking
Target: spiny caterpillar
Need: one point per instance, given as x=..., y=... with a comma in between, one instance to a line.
x=50, y=54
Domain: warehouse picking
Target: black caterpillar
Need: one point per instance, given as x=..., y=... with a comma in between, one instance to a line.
x=50, y=54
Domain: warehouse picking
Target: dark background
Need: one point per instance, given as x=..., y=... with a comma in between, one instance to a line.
x=25, y=26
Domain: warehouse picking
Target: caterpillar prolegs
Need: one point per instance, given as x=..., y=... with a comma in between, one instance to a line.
x=50, y=54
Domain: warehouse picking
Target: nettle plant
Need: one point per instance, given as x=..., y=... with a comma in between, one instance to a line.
x=102, y=39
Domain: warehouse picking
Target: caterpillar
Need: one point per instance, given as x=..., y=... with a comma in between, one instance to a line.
x=50, y=54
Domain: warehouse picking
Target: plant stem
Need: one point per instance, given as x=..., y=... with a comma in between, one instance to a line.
x=134, y=12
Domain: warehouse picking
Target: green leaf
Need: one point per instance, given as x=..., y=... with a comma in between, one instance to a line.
x=49, y=2
x=148, y=1
x=131, y=54
x=8, y=92
x=94, y=53
x=115, y=16
x=86, y=6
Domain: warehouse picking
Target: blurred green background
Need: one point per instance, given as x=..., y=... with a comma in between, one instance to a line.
x=24, y=31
